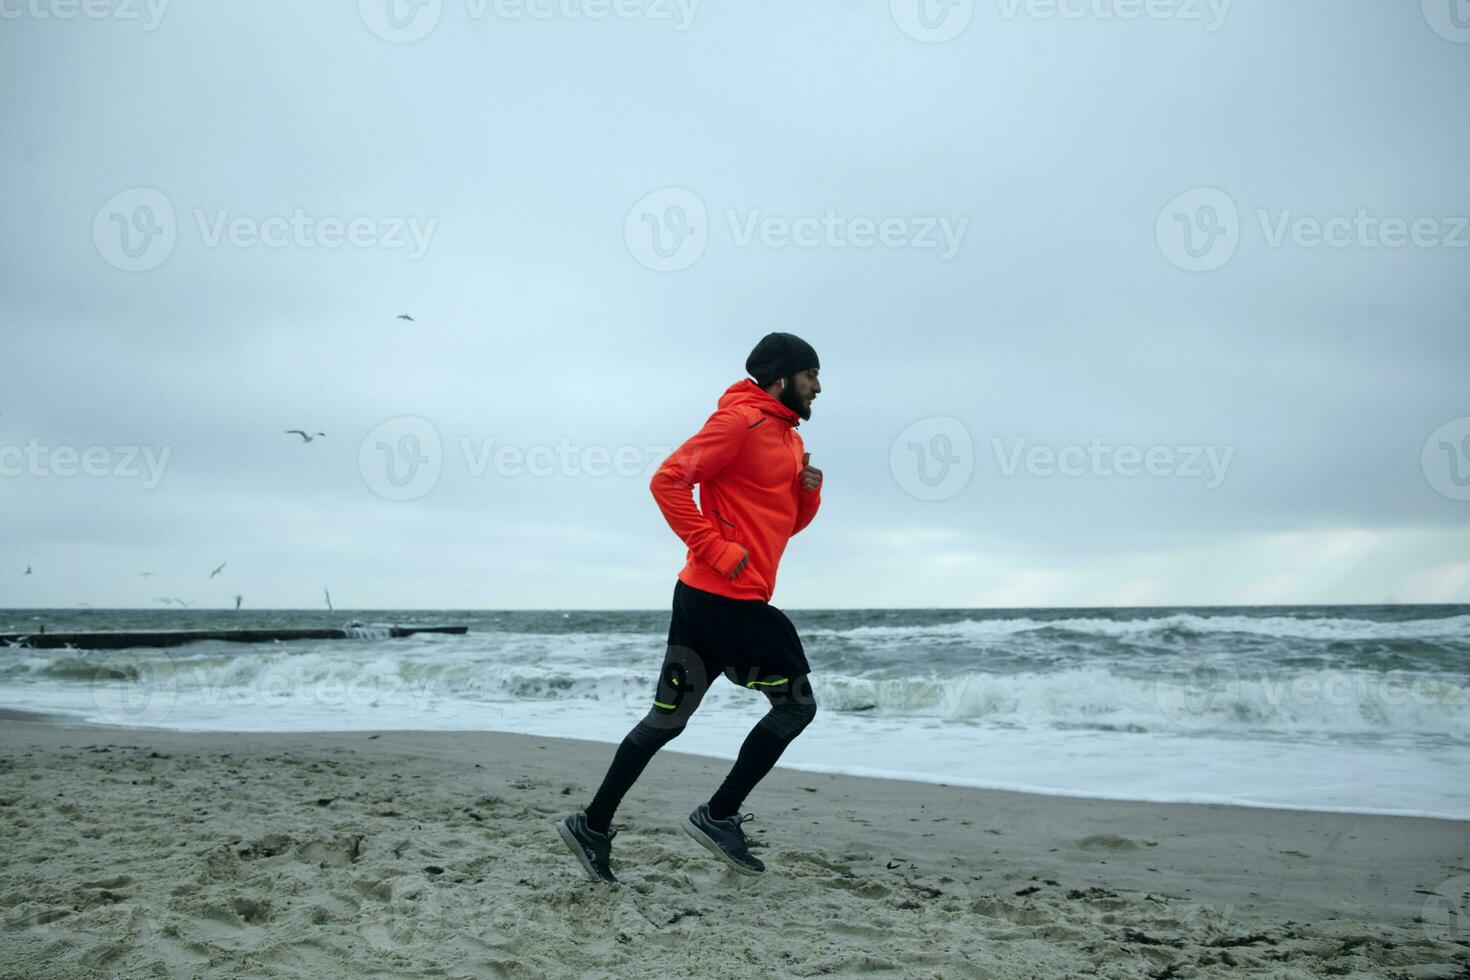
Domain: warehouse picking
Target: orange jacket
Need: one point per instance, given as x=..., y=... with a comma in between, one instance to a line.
x=746, y=460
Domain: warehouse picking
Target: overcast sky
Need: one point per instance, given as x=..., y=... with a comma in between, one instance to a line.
x=1167, y=308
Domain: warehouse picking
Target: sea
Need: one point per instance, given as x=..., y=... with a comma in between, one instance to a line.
x=1334, y=708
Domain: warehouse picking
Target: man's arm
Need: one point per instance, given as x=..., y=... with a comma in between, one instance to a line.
x=703, y=455
x=808, y=498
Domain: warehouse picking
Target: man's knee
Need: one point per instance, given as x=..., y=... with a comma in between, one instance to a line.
x=789, y=717
x=655, y=730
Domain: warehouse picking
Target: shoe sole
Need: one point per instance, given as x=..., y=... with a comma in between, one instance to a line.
x=692, y=829
x=576, y=848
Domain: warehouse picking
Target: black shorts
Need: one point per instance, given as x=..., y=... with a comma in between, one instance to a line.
x=750, y=641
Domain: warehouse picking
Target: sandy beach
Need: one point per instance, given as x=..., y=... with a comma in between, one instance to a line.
x=149, y=853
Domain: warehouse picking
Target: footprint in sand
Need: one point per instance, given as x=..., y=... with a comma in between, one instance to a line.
x=1112, y=842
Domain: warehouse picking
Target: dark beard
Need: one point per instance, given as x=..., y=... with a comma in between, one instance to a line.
x=787, y=396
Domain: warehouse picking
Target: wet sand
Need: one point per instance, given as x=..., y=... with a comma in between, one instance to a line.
x=145, y=853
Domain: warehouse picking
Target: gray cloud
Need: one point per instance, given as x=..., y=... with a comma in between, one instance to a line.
x=1062, y=319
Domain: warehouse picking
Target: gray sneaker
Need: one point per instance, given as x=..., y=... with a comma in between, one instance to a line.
x=591, y=848
x=725, y=839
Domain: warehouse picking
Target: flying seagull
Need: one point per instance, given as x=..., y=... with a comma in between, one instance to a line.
x=237, y=602
x=218, y=570
x=329, y=598
x=305, y=437
x=147, y=574
x=28, y=570
x=170, y=599
x=405, y=316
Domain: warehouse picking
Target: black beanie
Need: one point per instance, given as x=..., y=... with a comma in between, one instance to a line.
x=779, y=355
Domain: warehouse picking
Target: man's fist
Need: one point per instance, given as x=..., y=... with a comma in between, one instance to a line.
x=811, y=477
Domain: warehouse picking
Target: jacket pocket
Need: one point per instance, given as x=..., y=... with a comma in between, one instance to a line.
x=727, y=528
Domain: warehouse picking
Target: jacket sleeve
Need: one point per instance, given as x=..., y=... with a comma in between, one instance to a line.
x=704, y=454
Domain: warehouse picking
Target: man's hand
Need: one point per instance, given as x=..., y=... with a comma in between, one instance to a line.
x=739, y=565
x=811, y=477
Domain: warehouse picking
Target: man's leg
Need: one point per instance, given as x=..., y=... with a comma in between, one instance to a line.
x=792, y=708
x=682, y=682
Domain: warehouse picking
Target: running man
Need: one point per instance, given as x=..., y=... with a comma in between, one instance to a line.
x=757, y=488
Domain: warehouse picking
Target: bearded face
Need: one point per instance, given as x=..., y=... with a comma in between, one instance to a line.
x=799, y=393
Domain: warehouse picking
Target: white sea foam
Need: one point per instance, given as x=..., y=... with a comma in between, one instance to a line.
x=1325, y=628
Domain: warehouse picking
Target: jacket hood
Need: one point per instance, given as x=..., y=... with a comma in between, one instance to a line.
x=746, y=392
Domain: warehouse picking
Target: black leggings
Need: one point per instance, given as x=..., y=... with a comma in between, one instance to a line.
x=682, y=686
